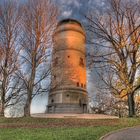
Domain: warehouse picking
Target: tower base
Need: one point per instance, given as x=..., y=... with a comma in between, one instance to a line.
x=67, y=108
x=67, y=100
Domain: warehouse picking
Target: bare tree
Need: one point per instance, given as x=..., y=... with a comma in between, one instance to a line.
x=39, y=21
x=116, y=36
x=9, y=50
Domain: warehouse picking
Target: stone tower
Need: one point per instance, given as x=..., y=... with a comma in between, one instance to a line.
x=68, y=93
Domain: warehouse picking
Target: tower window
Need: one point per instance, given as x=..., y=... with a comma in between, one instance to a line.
x=55, y=61
x=77, y=84
x=52, y=100
x=82, y=85
x=81, y=63
x=68, y=95
x=54, y=76
x=68, y=56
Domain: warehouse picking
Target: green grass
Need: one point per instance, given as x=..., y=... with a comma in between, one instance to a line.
x=53, y=134
x=61, y=129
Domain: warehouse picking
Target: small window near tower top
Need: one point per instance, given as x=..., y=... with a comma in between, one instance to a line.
x=82, y=85
x=68, y=95
x=52, y=100
x=77, y=84
x=54, y=76
x=81, y=63
x=68, y=56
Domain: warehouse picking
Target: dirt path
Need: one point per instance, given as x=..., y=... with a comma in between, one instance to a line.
x=125, y=134
x=80, y=116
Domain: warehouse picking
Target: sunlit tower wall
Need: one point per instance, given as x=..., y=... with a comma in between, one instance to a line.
x=68, y=89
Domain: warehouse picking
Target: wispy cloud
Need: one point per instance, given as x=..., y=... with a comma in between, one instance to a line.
x=66, y=14
x=75, y=3
x=68, y=7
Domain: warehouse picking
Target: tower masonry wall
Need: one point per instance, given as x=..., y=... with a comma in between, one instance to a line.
x=68, y=94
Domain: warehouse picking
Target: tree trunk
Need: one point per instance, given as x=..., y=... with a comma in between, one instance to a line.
x=27, y=107
x=131, y=105
x=2, y=104
x=2, y=109
x=27, y=110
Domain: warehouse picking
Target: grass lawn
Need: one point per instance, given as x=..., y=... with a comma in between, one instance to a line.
x=60, y=129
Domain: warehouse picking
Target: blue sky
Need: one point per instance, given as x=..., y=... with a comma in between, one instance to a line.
x=73, y=9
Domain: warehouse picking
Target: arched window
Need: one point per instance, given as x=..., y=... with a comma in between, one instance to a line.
x=54, y=77
x=81, y=62
x=55, y=61
x=52, y=100
x=77, y=84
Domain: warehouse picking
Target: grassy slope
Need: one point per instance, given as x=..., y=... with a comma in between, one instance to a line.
x=60, y=129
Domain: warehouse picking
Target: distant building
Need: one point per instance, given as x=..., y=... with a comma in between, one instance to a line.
x=68, y=89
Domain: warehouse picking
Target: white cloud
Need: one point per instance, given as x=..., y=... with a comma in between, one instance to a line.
x=68, y=7
x=66, y=14
x=75, y=3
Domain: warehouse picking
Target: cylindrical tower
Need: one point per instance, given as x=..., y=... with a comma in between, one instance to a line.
x=68, y=89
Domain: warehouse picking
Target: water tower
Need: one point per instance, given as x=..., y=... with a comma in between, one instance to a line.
x=68, y=88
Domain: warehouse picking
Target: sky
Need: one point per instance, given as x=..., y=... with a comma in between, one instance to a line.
x=69, y=9
x=75, y=8
x=72, y=9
